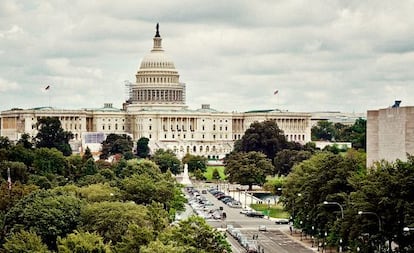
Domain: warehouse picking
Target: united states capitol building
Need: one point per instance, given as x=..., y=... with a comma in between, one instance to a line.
x=156, y=109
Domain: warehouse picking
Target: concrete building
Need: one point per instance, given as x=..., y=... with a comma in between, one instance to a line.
x=390, y=134
x=156, y=109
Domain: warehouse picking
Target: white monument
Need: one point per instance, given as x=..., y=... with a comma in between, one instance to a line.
x=185, y=179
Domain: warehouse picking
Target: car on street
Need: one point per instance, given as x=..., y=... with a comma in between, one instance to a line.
x=281, y=221
x=254, y=214
x=244, y=211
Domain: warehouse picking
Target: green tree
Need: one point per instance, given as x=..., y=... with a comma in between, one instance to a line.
x=9, y=197
x=358, y=134
x=134, y=238
x=167, y=160
x=387, y=190
x=287, y=158
x=18, y=171
x=196, y=234
x=45, y=213
x=83, y=242
x=216, y=174
x=49, y=161
x=195, y=162
x=142, y=147
x=265, y=137
x=99, y=193
x=24, y=241
x=143, y=189
x=18, y=153
x=323, y=177
x=5, y=142
x=25, y=141
x=199, y=175
x=74, y=167
x=248, y=168
x=324, y=130
x=52, y=135
x=111, y=219
x=87, y=155
x=159, y=247
x=116, y=144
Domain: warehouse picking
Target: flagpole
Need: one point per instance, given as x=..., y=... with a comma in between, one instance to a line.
x=9, y=182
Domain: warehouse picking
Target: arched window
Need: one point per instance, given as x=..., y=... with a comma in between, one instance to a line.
x=194, y=149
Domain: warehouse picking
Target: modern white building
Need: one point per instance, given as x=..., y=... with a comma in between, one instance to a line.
x=390, y=134
x=156, y=109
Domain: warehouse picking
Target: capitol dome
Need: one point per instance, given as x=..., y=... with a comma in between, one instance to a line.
x=157, y=81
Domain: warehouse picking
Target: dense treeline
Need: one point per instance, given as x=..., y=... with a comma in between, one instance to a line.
x=328, y=131
x=377, y=202
x=58, y=203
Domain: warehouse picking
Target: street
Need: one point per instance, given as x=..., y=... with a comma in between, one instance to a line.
x=275, y=239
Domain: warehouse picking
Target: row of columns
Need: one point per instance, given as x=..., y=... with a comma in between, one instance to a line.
x=184, y=123
x=159, y=95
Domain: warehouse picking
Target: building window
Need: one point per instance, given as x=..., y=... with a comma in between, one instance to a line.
x=150, y=136
x=194, y=149
x=214, y=127
x=203, y=136
x=203, y=127
x=165, y=136
x=103, y=127
x=173, y=136
x=150, y=127
x=116, y=126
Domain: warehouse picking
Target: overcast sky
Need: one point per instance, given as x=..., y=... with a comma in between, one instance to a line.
x=347, y=56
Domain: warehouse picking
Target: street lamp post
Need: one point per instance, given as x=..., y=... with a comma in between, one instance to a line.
x=335, y=203
x=379, y=224
x=301, y=229
x=268, y=209
x=245, y=198
x=342, y=215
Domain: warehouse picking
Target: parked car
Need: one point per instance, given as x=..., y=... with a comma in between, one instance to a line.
x=262, y=228
x=244, y=211
x=254, y=214
x=282, y=221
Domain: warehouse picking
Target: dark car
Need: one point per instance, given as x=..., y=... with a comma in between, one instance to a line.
x=282, y=221
x=254, y=214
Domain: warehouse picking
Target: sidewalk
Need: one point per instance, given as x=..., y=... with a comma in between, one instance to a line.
x=307, y=241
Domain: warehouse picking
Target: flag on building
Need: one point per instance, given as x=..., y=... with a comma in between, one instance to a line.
x=47, y=87
x=276, y=91
x=9, y=182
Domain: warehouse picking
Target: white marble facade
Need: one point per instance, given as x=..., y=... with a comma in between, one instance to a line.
x=156, y=109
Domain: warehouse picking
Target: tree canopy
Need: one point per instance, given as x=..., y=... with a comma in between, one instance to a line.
x=52, y=135
x=329, y=131
x=195, y=162
x=265, y=137
x=116, y=144
x=248, y=168
x=167, y=160
x=142, y=147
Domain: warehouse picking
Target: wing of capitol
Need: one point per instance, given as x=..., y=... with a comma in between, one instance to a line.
x=156, y=109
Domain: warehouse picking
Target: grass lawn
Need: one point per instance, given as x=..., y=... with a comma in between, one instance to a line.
x=276, y=211
x=209, y=173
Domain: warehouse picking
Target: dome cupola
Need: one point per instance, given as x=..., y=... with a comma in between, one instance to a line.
x=157, y=81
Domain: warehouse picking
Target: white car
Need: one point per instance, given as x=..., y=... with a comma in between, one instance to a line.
x=244, y=211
